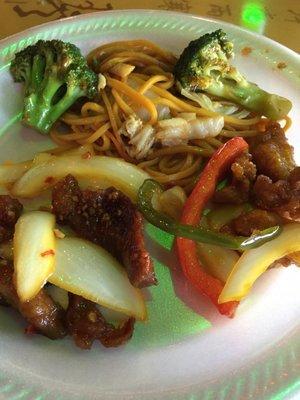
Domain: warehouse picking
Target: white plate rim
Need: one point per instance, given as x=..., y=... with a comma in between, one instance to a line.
x=149, y=11
x=293, y=60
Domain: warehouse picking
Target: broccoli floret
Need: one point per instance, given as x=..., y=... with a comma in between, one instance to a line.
x=55, y=75
x=204, y=66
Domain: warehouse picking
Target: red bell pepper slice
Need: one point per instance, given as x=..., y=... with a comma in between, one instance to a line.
x=206, y=284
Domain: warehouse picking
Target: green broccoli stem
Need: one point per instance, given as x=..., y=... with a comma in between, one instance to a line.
x=252, y=97
x=62, y=105
x=38, y=104
x=40, y=113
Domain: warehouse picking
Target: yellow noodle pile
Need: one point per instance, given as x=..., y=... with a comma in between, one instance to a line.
x=146, y=66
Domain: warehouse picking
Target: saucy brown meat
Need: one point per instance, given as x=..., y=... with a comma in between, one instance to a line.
x=254, y=220
x=276, y=191
x=230, y=195
x=282, y=196
x=268, y=195
x=272, y=153
x=243, y=169
x=10, y=210
x=41, y=312
x=291, y=209
x=243, y=174
x=109, y=219
x=85, y=324
x=294, y=179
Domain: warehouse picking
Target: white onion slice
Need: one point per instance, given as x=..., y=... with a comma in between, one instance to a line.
x=11, y=172
x=255, y=262
x=109, y=170
x=90, y=271
x=34, y=252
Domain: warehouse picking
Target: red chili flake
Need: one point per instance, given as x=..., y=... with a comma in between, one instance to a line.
x=281, y=65
x=87, y=155
x=48, y=253
x=49, y=180
x=30, y=330
x=246, y=51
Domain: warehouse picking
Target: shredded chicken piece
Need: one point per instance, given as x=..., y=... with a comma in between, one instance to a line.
x=141, y=143
x=141, y=137
x=202, y=128
x=172, y=132
x=131, y=126
x=168, y=132
x=175, y=131
x=163, y=111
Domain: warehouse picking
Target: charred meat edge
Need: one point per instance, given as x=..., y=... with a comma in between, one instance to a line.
x=108, y=218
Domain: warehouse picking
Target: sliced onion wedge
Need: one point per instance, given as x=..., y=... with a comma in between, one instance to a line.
x=34, y=251
x=256, y=261
x=90, y=271
x=11, y=172
x=109, y=170
x=84, y=151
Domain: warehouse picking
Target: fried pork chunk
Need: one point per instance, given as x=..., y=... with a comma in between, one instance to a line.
x=85, y=324
x=255, y=220
x=282, y=196
x=42, y=313
x=10, y=210
x=243, y=175
x=272, y=153
x=107, y=218
x=82, y=320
